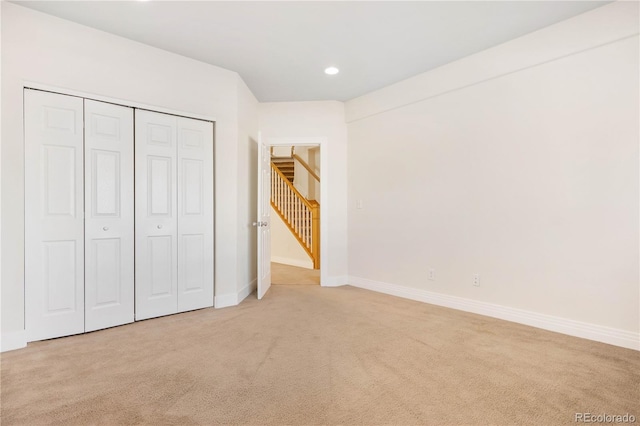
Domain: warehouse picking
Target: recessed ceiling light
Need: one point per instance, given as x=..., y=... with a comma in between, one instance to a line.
x=331, y=71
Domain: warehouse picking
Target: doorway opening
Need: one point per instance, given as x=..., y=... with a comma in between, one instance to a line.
x=292, y=212
x=295, y=215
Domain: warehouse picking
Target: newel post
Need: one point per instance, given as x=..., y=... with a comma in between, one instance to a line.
x=315, y=233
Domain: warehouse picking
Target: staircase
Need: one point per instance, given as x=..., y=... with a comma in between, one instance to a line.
x=286, y=166
x=302, y=216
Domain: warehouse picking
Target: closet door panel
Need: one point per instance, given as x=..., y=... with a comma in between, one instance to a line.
x=156, y=214
x=54, y=229
x=109, y=227
x=195, y=214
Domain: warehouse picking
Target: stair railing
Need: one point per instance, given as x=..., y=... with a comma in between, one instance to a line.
x=301, y=216
x=306, y=166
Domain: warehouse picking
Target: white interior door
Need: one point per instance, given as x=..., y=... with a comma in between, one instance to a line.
x=156, y=249
x=264, y=220
x=109, y=240
x=54, y=228
x=195, y=214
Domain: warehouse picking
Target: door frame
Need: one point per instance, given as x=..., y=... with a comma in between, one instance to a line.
x=123, y=102
x=322, y=142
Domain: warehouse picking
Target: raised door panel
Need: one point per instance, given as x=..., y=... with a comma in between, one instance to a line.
x=59, y=173
x=156, y=214
x=195, y=214
x=160, y=186
x=109, y=223
x=193, y=255
x=54, y=231
x=59, y=277
x=107, y=261
x=192, y=187
x=161, y=264
x=106, y=183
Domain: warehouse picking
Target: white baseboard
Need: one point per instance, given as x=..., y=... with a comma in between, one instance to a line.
x=335, y=281
x=247, y=290
x=293, y=262
x=612, y=336
x=13, y=340
x=225, y=300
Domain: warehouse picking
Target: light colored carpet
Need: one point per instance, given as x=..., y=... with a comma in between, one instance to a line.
x=313, y=355
x=292, y=275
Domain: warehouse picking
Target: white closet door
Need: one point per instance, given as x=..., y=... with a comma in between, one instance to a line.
x=195, y=214
x=109, y=240
x=54, y=237
x=156, y=214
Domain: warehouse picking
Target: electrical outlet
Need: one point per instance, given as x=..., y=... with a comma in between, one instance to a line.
x=476, y=280
x=432, y=275
x=358, y=204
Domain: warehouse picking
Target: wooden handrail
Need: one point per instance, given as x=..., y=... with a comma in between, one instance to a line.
x=306, y=166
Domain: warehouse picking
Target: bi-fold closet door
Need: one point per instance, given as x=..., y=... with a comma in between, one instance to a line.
x=109, y=220
x=81, y=268
x=174, y=214
x=79, y=264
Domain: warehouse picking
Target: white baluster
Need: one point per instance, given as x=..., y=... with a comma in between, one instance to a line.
x=289, y=200
x=298, y=211
x=279, y=194
x=309, y=228
x=309, y=222
x=306, y=225
x=300, y=224
x=294, y=209
x=296, y=226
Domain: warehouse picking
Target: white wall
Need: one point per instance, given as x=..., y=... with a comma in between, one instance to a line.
x=281, y=151
x=313, y=160
x=301, y=178
x=303, y=181
x=520, y=164
x=40, y=48
x=285, y=248
x=319, y=119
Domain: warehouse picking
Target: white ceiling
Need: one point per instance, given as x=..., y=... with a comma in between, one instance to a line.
x=281, y=48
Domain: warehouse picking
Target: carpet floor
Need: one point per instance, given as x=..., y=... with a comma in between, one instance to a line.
x=310, y=355
x=292, y=275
